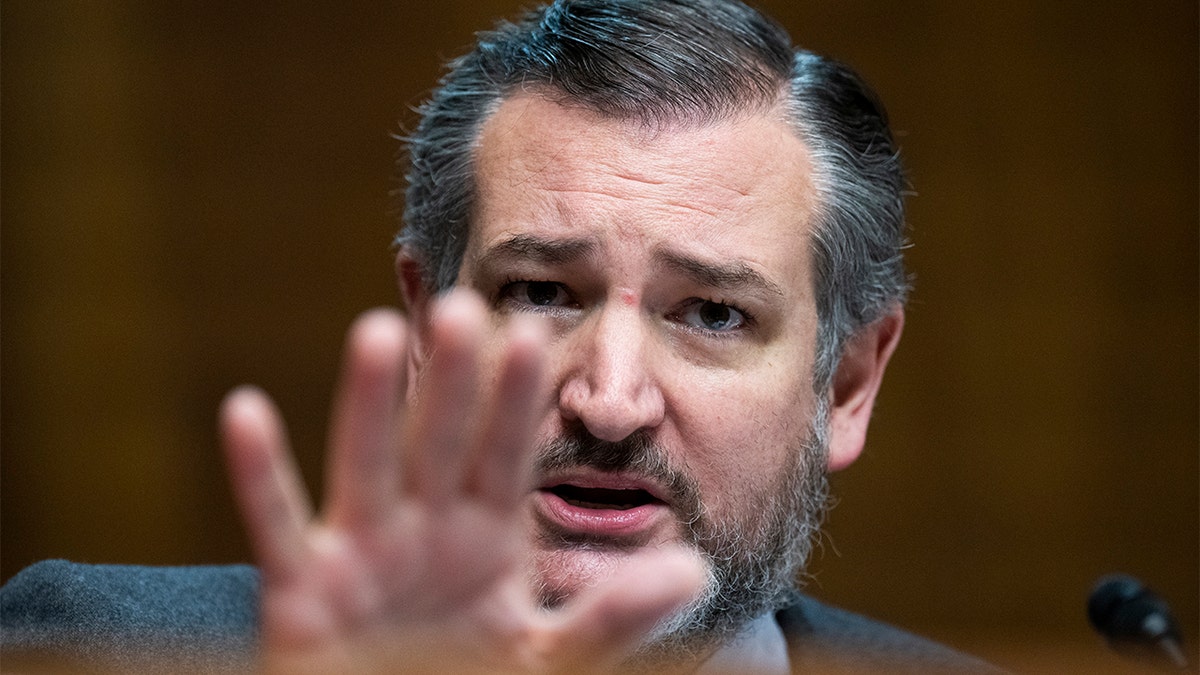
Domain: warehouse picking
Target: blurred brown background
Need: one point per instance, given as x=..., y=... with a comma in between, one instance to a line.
x=195, y=194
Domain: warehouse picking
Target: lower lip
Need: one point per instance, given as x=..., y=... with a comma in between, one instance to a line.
x=608, y=522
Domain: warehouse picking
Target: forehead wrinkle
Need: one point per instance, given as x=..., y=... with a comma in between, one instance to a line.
x=707, y=207
x=568, y=212
x=712, y=212
x=628, y=173
x=729, y=276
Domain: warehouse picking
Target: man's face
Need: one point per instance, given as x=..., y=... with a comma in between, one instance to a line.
x=673, y=267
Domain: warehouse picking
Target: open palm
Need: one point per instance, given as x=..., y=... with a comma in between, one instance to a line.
x=417, y=560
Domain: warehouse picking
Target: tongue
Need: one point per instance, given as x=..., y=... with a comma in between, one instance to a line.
x=602, y=498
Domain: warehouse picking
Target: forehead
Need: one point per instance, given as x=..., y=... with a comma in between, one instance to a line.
x=541, y=166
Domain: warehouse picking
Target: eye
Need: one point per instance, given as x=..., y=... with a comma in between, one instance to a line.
x=536, y=294
x=712, y=316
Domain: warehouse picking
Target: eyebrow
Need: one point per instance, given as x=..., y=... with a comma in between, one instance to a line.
x=537, y=249
x=733, y=276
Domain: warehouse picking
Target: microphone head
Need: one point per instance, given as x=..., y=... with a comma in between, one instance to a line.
x=1135, y=621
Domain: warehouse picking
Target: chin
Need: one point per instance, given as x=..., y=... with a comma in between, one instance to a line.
x=561, y=573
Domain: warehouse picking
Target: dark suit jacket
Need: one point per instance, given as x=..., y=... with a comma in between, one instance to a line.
x=205, y=619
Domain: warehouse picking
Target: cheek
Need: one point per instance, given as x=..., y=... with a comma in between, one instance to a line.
x=492, y=358
x=735, y=439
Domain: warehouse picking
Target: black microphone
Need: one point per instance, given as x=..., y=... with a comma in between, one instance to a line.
x=1136, y=622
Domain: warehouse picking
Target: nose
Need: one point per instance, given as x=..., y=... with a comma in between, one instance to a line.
x=610, y=385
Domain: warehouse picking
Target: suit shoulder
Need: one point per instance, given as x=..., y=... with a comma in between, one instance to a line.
x=119, y=611
x=832, y=639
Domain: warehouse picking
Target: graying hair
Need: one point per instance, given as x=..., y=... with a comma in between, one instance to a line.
x=676, y=62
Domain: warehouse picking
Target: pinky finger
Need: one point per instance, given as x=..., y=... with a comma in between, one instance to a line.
x=266, y=483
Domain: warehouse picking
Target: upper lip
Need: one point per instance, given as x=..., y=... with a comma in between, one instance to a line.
x=586, y=477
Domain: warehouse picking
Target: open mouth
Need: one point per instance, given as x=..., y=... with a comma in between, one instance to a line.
x=618, y=499
x=601, y=508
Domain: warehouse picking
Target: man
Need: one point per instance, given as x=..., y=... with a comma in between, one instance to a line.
x=651, y=262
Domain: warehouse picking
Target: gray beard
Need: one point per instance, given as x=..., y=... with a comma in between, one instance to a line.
x=754, y=557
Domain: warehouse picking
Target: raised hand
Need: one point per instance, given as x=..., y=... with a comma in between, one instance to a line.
x=417, y=559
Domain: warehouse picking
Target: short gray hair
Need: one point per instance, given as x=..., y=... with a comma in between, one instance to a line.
x=663, y=62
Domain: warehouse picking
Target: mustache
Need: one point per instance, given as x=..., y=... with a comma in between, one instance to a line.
x=637, y=454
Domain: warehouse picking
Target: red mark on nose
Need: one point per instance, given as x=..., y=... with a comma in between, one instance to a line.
x=628, y=298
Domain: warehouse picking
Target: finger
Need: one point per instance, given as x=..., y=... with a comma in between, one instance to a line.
x=502, y=468
x=363, y=462
x=439, y=427
x=266, y=483
x=607, y=623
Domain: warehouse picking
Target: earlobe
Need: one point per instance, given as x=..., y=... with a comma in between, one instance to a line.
x=410, y=277
x=855, y=384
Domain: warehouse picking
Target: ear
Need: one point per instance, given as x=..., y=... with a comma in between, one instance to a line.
x=859, y=374
x=410, y=277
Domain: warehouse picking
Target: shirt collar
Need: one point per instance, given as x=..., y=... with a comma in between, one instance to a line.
x=759, y=648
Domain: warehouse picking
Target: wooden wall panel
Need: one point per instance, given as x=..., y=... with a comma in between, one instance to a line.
x=197, y=195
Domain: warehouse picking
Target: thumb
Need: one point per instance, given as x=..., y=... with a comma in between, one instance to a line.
x=605, y=624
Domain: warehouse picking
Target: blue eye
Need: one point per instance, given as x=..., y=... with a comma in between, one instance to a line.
x=713, y=316
x=536, y=293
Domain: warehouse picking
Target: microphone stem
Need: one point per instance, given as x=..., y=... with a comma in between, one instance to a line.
x=1174, y=652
